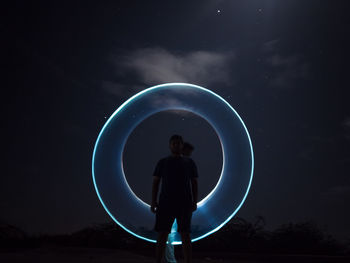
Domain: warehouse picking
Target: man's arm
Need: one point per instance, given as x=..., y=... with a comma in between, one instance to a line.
x=155, y=188
x=194, y=184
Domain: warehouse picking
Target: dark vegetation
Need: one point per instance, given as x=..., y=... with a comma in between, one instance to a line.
x=238, y=236
x=294, y=238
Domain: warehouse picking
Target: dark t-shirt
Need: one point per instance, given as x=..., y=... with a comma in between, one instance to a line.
x=176, y=173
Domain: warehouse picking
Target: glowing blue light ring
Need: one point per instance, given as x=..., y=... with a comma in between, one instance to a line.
x=138, y=95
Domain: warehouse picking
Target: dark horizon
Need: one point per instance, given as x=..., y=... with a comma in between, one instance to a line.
x=239, y=239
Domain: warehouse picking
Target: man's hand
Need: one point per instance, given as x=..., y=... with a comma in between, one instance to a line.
x=154, y=207
x=194, y=206
x=155, y=187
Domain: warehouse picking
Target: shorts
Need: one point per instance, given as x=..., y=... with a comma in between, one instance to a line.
x=165, y=217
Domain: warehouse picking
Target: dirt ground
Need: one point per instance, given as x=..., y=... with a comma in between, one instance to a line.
x=101, y=255
x=79, y=255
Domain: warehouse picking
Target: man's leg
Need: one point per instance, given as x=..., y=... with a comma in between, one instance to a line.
x=169, y=248
x=186, y=246
x=161, y=241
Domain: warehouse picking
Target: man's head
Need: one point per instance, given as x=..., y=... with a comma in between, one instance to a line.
x=176, y=144
x=187, y=149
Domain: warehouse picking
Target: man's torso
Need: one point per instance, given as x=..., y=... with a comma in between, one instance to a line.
x=176, y=174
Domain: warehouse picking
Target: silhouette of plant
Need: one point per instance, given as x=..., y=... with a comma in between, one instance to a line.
x=304, y=237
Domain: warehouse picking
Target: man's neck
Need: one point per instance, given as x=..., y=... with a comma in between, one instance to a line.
x=176, y=154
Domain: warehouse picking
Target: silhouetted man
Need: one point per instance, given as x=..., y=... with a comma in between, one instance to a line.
x=178, y=197
x=187, y=150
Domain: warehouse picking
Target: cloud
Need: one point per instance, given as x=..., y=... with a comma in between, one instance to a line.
x=157, y=65
x=286, y=70
x=173, y=101
x=270, y=46
x=152, y=66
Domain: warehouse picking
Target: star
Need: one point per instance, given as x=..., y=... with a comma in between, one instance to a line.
x=218, y=11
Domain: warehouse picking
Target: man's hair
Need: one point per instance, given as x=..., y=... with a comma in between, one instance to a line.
x=176, y=137
x=188, y=146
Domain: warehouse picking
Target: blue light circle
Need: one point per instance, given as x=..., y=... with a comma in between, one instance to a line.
x=222, y=203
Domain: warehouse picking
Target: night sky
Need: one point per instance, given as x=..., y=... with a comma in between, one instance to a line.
x=283, y=65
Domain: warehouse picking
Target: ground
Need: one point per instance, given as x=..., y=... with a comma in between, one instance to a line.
x=54, y=254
